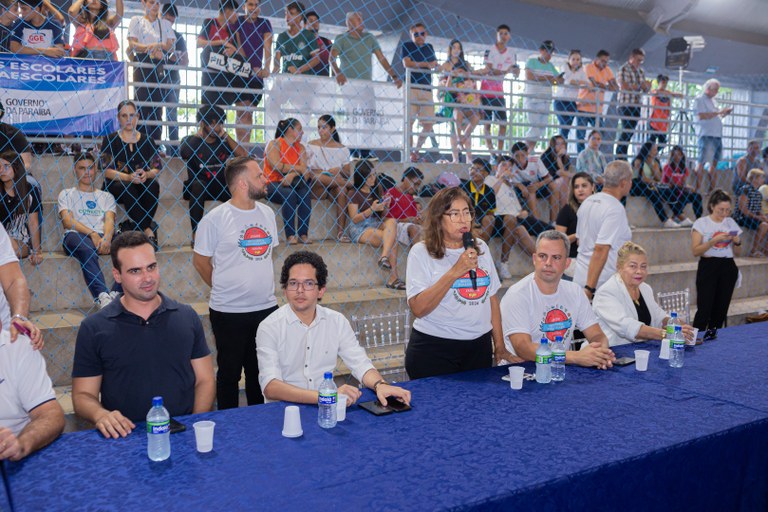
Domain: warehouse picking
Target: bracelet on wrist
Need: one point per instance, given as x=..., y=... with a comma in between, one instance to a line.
x=590, y=289
x=377, y=384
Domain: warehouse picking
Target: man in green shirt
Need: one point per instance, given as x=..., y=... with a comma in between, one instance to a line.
x=540, y=76
x=295, y=46
x=354, y=48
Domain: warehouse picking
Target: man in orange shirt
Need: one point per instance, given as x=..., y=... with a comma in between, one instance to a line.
x=601, y=78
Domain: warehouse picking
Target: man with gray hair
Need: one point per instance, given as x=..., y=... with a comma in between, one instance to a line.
x=542, y=305
x=354, y=48
x=709, y=128
x=602, y=228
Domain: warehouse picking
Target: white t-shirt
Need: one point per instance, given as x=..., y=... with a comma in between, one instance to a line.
x=147, y=32
x=240, y=243
x=6, y=256
x=569, y=91
x=709, y=229
x=464, y=313
x=500, y=62
x=323, y=158
x=707, y=127
x=88, y=208
x=526, y=310
x=533, y=171
x=507, y=202
x=602, y=220
x=24, y=382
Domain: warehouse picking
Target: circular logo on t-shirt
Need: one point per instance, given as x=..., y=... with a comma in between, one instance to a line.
x=463, y=285
x=556, y=323
x=255, y=241
x=90, y=204
x=723, y=244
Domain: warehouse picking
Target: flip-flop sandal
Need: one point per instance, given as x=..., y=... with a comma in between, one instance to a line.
x=343, y=239
x=397, y=284
x=384, y=263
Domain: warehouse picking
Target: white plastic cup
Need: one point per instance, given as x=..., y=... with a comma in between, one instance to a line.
x=204, y=435
x=695, y=337
x=664, y=352
x=516, y=377
x=341, y=407
x=641, y=360
x=292, y=422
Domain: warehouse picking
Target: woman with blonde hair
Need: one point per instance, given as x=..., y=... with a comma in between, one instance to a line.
x=624, y=304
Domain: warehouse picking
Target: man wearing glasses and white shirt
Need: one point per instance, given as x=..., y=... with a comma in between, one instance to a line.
x=301, y=341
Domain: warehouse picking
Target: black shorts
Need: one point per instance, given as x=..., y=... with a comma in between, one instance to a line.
x=491, y=114
x=228, y=80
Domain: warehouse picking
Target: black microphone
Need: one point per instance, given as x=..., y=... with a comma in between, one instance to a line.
x=469, y=243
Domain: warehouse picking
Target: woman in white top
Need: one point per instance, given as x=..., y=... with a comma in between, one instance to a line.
x=458, y=320
x=715, y=239
x=328, y=160
x=624, y=304
x=564, y=105
x=150, y=39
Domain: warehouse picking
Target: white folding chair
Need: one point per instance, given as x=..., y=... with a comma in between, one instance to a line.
x=385, y=337
x=679, y=301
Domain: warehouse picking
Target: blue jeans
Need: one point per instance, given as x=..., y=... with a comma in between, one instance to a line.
x=81, y=247
x=296, y=202
x=564, y=111
x=584, y=119
x=172, y=113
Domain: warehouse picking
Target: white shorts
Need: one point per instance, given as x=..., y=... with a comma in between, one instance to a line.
x=402, y=232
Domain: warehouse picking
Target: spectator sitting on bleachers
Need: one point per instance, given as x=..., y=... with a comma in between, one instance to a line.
x=646, y=178
x=564, y=105
x=290, y=181
x=404, y=208
x=18, y=200
x=530, y=177
x=367, y=222
x=625, y=305
x=418, y=55
x=88, y=217
x=463, y=112
x=582, y=186
x=480, y=189
x=205, y=154
x=354, y=48
x=220, y=55
x=8, y=15
x=749, y=213
x=95, y=29
x=131, y=165
x=745, y=164
x=323, y=52
x=674, y=175
x=591, y=160
x=295, y=47
x=557, y=162
x=254, y=34
x=36, y=34
x=328, y=159
x=150, y=39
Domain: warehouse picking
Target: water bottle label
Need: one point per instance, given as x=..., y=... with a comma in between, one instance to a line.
x=158, y=427
x=544, y=359
x=559, y=357
x=329, y=399
x=677, y=345
x=670, y=331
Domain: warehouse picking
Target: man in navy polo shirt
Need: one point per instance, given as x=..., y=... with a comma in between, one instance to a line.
x=138, y=347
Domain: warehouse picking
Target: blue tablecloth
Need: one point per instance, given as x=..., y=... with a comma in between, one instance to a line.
x=602, y=440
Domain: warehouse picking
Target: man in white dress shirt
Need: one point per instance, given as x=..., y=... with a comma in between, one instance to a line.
x=300, y=341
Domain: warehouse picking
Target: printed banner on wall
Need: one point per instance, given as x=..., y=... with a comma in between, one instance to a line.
x=69, y=97
x=368, y=114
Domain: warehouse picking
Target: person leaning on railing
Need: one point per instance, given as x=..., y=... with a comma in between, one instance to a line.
x=131, y=165
x=218, y=43
x=285, y=166
x=95, y=29
x=418, y=55
x=601, y=78
x=455, y=71
x=749, y=213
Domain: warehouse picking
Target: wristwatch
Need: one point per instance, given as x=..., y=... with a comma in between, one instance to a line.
x=590, y=289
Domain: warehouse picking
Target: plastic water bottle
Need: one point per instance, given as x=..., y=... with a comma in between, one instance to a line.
x=558, y=360
x=673, y=321
x=677, y=348
x=543, y=363
x=158, y=431
x=326, y=402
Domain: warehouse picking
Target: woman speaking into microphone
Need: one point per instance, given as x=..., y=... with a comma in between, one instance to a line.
x=458, y=320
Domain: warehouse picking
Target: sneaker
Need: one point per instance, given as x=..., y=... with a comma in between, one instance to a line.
x=685, y=223
x=670, y=224
x=504, y=272
x=103, y=300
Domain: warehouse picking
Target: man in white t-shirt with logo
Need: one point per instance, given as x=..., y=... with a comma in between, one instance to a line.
x=88, y=217
x=499, y=61
x=233, y=255
x=35, y=34
x=602, y=228
x=542, y=305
